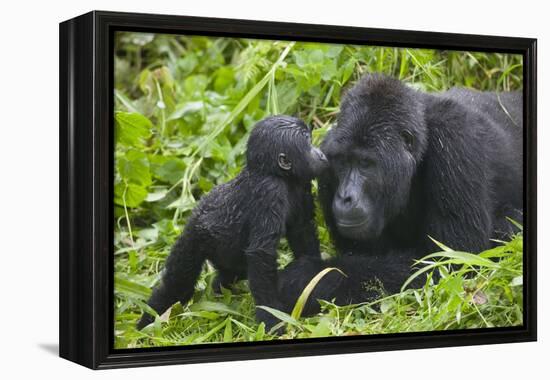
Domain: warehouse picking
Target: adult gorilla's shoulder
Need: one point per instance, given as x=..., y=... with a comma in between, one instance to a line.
x=408, y=165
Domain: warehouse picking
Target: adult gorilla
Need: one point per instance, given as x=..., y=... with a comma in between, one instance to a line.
x=406, y=165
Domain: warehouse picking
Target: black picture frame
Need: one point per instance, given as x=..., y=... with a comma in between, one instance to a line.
x=86, y=188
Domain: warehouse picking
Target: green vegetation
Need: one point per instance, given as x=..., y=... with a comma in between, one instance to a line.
x=183, y=109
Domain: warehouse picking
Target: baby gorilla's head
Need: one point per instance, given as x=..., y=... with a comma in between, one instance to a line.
x=281, y=145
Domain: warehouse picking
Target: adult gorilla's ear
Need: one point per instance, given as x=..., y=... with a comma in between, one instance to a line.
x=283, y=162
x=408, y=139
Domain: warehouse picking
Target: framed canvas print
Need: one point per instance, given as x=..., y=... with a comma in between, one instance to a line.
x=237, y=189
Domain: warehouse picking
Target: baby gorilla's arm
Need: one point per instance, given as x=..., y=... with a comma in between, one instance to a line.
x=261, y=254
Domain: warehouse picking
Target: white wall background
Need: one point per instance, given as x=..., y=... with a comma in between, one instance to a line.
x=29, y=187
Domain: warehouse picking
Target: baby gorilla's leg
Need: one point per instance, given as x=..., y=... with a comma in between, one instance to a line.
x=181, y=272
x=226, y=278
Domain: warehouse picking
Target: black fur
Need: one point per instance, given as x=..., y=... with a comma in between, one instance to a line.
x=238, y=225
x=406, y=165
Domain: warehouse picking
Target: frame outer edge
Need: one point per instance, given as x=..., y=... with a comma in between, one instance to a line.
x=76, y=183
x=66, y=347
x=103, y=160
x=85, y=175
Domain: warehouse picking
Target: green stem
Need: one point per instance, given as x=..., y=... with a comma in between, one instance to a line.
x=127, y=216
x=162, y=112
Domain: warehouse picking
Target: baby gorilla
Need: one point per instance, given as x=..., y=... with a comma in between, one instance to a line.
x=238, y=225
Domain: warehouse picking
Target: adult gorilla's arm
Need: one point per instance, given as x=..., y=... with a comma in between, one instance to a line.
x=358, y=280
x=455, y=173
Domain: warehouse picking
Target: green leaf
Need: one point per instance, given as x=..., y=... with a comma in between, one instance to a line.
x=195, y=85
x=463, y=258
x=214, y=306
x=281, y=315
x=126, y=102
x=441, y=245
x=347, y=70
x=186, y=108
x=301, y=58
x=228, y=332
x=496, y=252
x=167, y=168
x=321, y=329
x=224, y=78
x=188, y=63
x=131, y=288
x=133, y=167
x=316, y=56
x=329, y=70
x=260, y=332
x=206, y=336
x=132, y=129
x=301, y=302
x=287, y=96
x=386, y=306
x=145, y=81
x=210, y=315
x=183, y=204
x=416, y=274
x=517, y=281
x=517, y=224
x=131, y=194
x=156, y=196
x=334, y=51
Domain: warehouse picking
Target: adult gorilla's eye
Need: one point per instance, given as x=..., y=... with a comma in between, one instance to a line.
x=408, y=138
x=367, y=162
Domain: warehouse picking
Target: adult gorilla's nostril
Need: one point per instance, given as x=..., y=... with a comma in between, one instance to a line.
x=344, y=203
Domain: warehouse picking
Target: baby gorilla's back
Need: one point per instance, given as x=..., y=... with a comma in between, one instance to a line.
x=223, y=215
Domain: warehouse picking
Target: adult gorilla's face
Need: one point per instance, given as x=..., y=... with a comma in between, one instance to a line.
x=373, y=154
